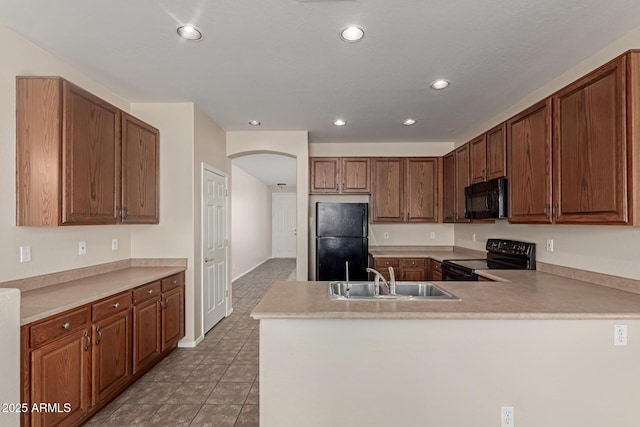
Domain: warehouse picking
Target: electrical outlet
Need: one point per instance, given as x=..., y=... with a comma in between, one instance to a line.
x=82, y=248
x=507, y=418
x=432, y=235
x=474, y=238
x=549, y=245
x=386, y=235
x=25, y=253
x=114, y=244
x=620, y=335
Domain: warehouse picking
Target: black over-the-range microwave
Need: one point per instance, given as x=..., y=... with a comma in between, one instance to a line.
x=486, y=199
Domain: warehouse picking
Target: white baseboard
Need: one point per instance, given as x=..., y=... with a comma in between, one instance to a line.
x=190, y=344
x=251, y=269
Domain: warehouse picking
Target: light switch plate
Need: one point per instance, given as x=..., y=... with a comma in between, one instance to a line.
x=114, y=244
x=25, y=253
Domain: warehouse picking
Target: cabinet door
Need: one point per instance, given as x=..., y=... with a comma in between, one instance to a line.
x=421, y=189
x=478, y=159
x=436, y=270
x=590, y=148
x=497, y=152
x=111, y=355
x=355, y=175
x=91, y=158
x=413, y=270
x=529, y=164
x=462, y=180
x=61, y=373
x=140, y=166
x=172, y=317
x=147, y=321
x=387, y=198
x=325, y=175
x=449, y=187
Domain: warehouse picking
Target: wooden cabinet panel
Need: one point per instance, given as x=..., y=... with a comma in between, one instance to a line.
x=590, y=148
x=61, y=373
x=145, y=292
x=147, y=330
x=387, y=198
x=497, y=152
x=69, y=158
x=478, y=159
x=172, y=317
x=529, y=164
x=58, y=326
x=449, y=187
x=111, y=306
x=111, y=367
x=436, y=270
x=325, y=175
x=91, y=158
x=413, y=269
x=140, y=170
x=355, y=175
x=462, y=180
x=421, y=189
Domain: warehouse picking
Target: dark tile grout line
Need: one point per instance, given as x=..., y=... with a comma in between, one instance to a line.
x=247, y=292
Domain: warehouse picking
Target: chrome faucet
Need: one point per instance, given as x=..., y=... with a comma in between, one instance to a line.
x=376, y=281
x=392, y=281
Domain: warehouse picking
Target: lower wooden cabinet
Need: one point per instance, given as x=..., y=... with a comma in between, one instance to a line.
x=61, y=375
x=436, y=270
x=405, y=269
x=79, y=360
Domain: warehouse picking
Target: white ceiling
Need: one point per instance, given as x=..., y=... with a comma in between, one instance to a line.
x=282, y=61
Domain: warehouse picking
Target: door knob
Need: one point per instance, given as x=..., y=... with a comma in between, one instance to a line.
x=207, y=259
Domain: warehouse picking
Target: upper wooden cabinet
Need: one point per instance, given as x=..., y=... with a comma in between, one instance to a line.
x=529, y=164
x=335, y=175
x=456, y=177
x=487, y=155
x=590, y=146
x=579, y=164
x=140, y=168
x=405, y=189
x=71, y=165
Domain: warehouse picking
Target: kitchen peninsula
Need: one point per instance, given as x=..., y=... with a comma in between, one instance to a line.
x=535, y=341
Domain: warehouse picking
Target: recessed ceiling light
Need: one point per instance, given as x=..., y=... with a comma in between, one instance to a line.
x=352, y=33
x=439, y=84
x=409, y=122
x=254, y=123
x=339, y=122
x=189, y=32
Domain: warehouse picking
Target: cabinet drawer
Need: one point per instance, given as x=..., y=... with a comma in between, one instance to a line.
x=173, y=281
x=145, y=292
x=437, y=266
x=58, y=326
x=385, y=263
x=412, y=263
x=111, y=306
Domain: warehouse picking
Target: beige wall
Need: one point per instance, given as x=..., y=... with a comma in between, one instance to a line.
x=250, y=222
x=447, y=373
x=52, y=248
x=295, y=144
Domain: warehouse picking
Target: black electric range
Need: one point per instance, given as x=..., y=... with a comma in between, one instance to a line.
x=502, y=254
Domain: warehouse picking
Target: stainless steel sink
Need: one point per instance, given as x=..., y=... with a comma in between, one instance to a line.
x=405, y=291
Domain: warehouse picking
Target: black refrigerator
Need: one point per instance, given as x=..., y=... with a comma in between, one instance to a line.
x=341, y=236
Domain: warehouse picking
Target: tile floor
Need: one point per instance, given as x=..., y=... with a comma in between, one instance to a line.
x=214, y=384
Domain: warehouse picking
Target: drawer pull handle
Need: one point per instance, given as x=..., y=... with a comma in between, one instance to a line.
x=86, y=335
x=66, y=325
x=99, y=331
x=150, y=291
x=116, y=305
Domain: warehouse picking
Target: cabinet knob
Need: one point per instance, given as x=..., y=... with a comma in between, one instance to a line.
x=150, y=291
x=116, y=305
x=66, y=325
x=175, y=281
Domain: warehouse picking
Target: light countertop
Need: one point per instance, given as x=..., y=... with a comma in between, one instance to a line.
x=40, y=303
x=522, y=294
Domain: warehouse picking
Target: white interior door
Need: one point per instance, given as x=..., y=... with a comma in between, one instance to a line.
x=283, y=232
x=214, y=248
